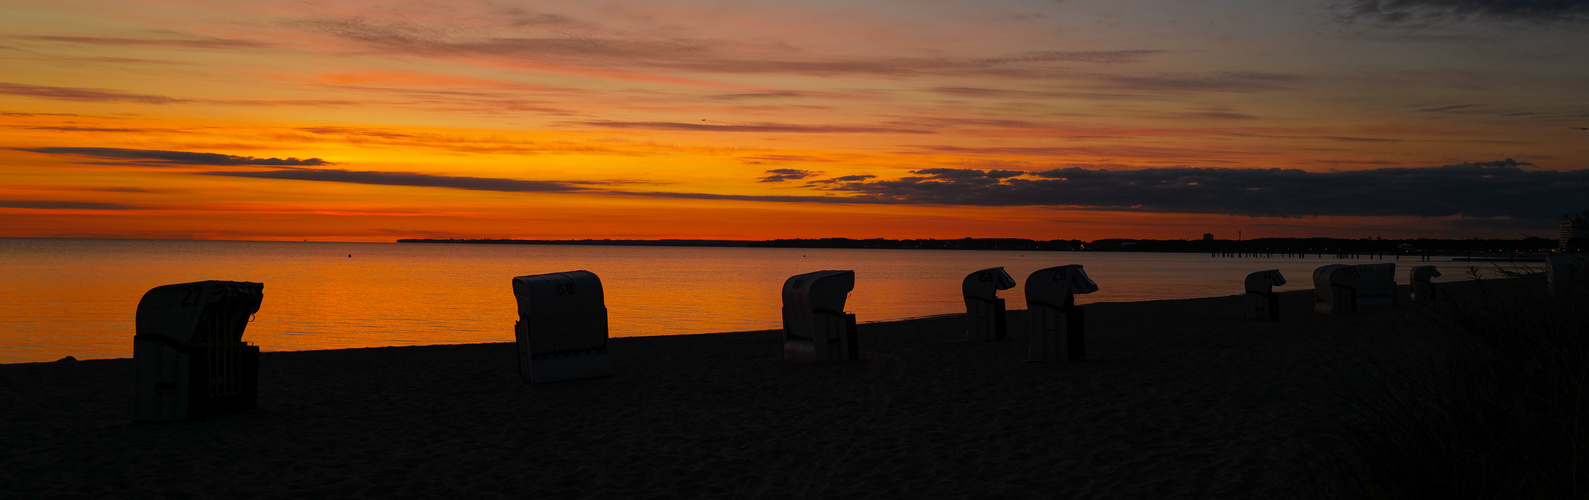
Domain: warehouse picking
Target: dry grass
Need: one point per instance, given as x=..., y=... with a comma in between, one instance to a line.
x=1503, y=418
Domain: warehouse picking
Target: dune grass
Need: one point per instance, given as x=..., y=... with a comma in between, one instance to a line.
x=1502, y=417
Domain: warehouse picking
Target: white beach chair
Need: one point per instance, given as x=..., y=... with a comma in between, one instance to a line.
x=1422, y=280
x=190, y=359
x=562, y=327
x=1057, y=326
x=985, y=311
x=815, y=326
x=1262, y=301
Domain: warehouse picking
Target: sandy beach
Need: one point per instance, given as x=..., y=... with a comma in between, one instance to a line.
x=1176, y=399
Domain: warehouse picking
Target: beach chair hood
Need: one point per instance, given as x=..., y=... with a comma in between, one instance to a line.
x=1265, y=281
x=819, y=291
x=986, y=283
x=1053, y=285
x=174, y=314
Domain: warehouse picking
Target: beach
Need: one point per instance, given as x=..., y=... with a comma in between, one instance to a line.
x=1175, y=399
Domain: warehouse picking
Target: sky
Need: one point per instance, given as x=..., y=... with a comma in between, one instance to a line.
x=1074, y=119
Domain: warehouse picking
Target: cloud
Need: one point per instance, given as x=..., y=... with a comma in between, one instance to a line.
x=992, y=93
x=1178, y=154
x=772, y=158
x=65, y=205
x=1484, y=189
x=88, y=129
x=788, y=174
x=843, y=179
x=587, y=47
x=1226, y=81
x=1425, y=12
x=758, y=95
x=106, y=95
x=1221, y=114
x=457, y=143
x=158, y=157
x=82, y=94
x=185, y=41
x=756, y=127
x=38, y=114
x=409, y=179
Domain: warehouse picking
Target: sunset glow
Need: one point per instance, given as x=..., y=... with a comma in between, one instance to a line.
x=372, y=121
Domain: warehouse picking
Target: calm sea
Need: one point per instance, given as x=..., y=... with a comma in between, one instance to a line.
x=61, y=297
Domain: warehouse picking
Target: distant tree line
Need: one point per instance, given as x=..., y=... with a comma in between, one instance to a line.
x=1253, y=246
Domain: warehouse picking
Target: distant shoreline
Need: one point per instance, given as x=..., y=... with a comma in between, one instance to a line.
x=1472, y=249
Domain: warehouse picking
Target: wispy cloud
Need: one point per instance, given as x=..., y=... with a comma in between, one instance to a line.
x=409, y=179
x=157, y=157
x=588, y=47
x=775, y=158
x=1416, y=12
x=840, y=180
x=37, y=114
x=107, y=95
x=172, y=40
x=88, y=129
x=788, y=174
x=66, y=205
x=375, y=136
x=83, y=94
x=757, y=127
x=1226, y=81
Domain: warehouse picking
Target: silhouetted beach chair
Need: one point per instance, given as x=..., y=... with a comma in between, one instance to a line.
x=1333, y=290
x=985, y=312
x=1262, y=301
x=1342, y=289
x=1376, y=284
x=1422, y=280
x=1058, y=327
x=190, y=359
x=562, y=327
x=815, y=326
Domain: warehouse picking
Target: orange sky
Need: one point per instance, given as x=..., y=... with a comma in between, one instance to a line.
x=370, y=121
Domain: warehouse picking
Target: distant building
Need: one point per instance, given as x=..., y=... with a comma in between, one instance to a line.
x=1566, y=234
x=1208, y=236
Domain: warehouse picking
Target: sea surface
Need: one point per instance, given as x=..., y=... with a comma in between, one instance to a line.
x=78, y=297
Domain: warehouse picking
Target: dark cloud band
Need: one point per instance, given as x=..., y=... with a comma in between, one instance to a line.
x=788, y=174
x=158, y=157
x=756, y=127
x=409, y=179
x=65, y=205
x=1483, y=190
x=82, y=94
x=1405, y=12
